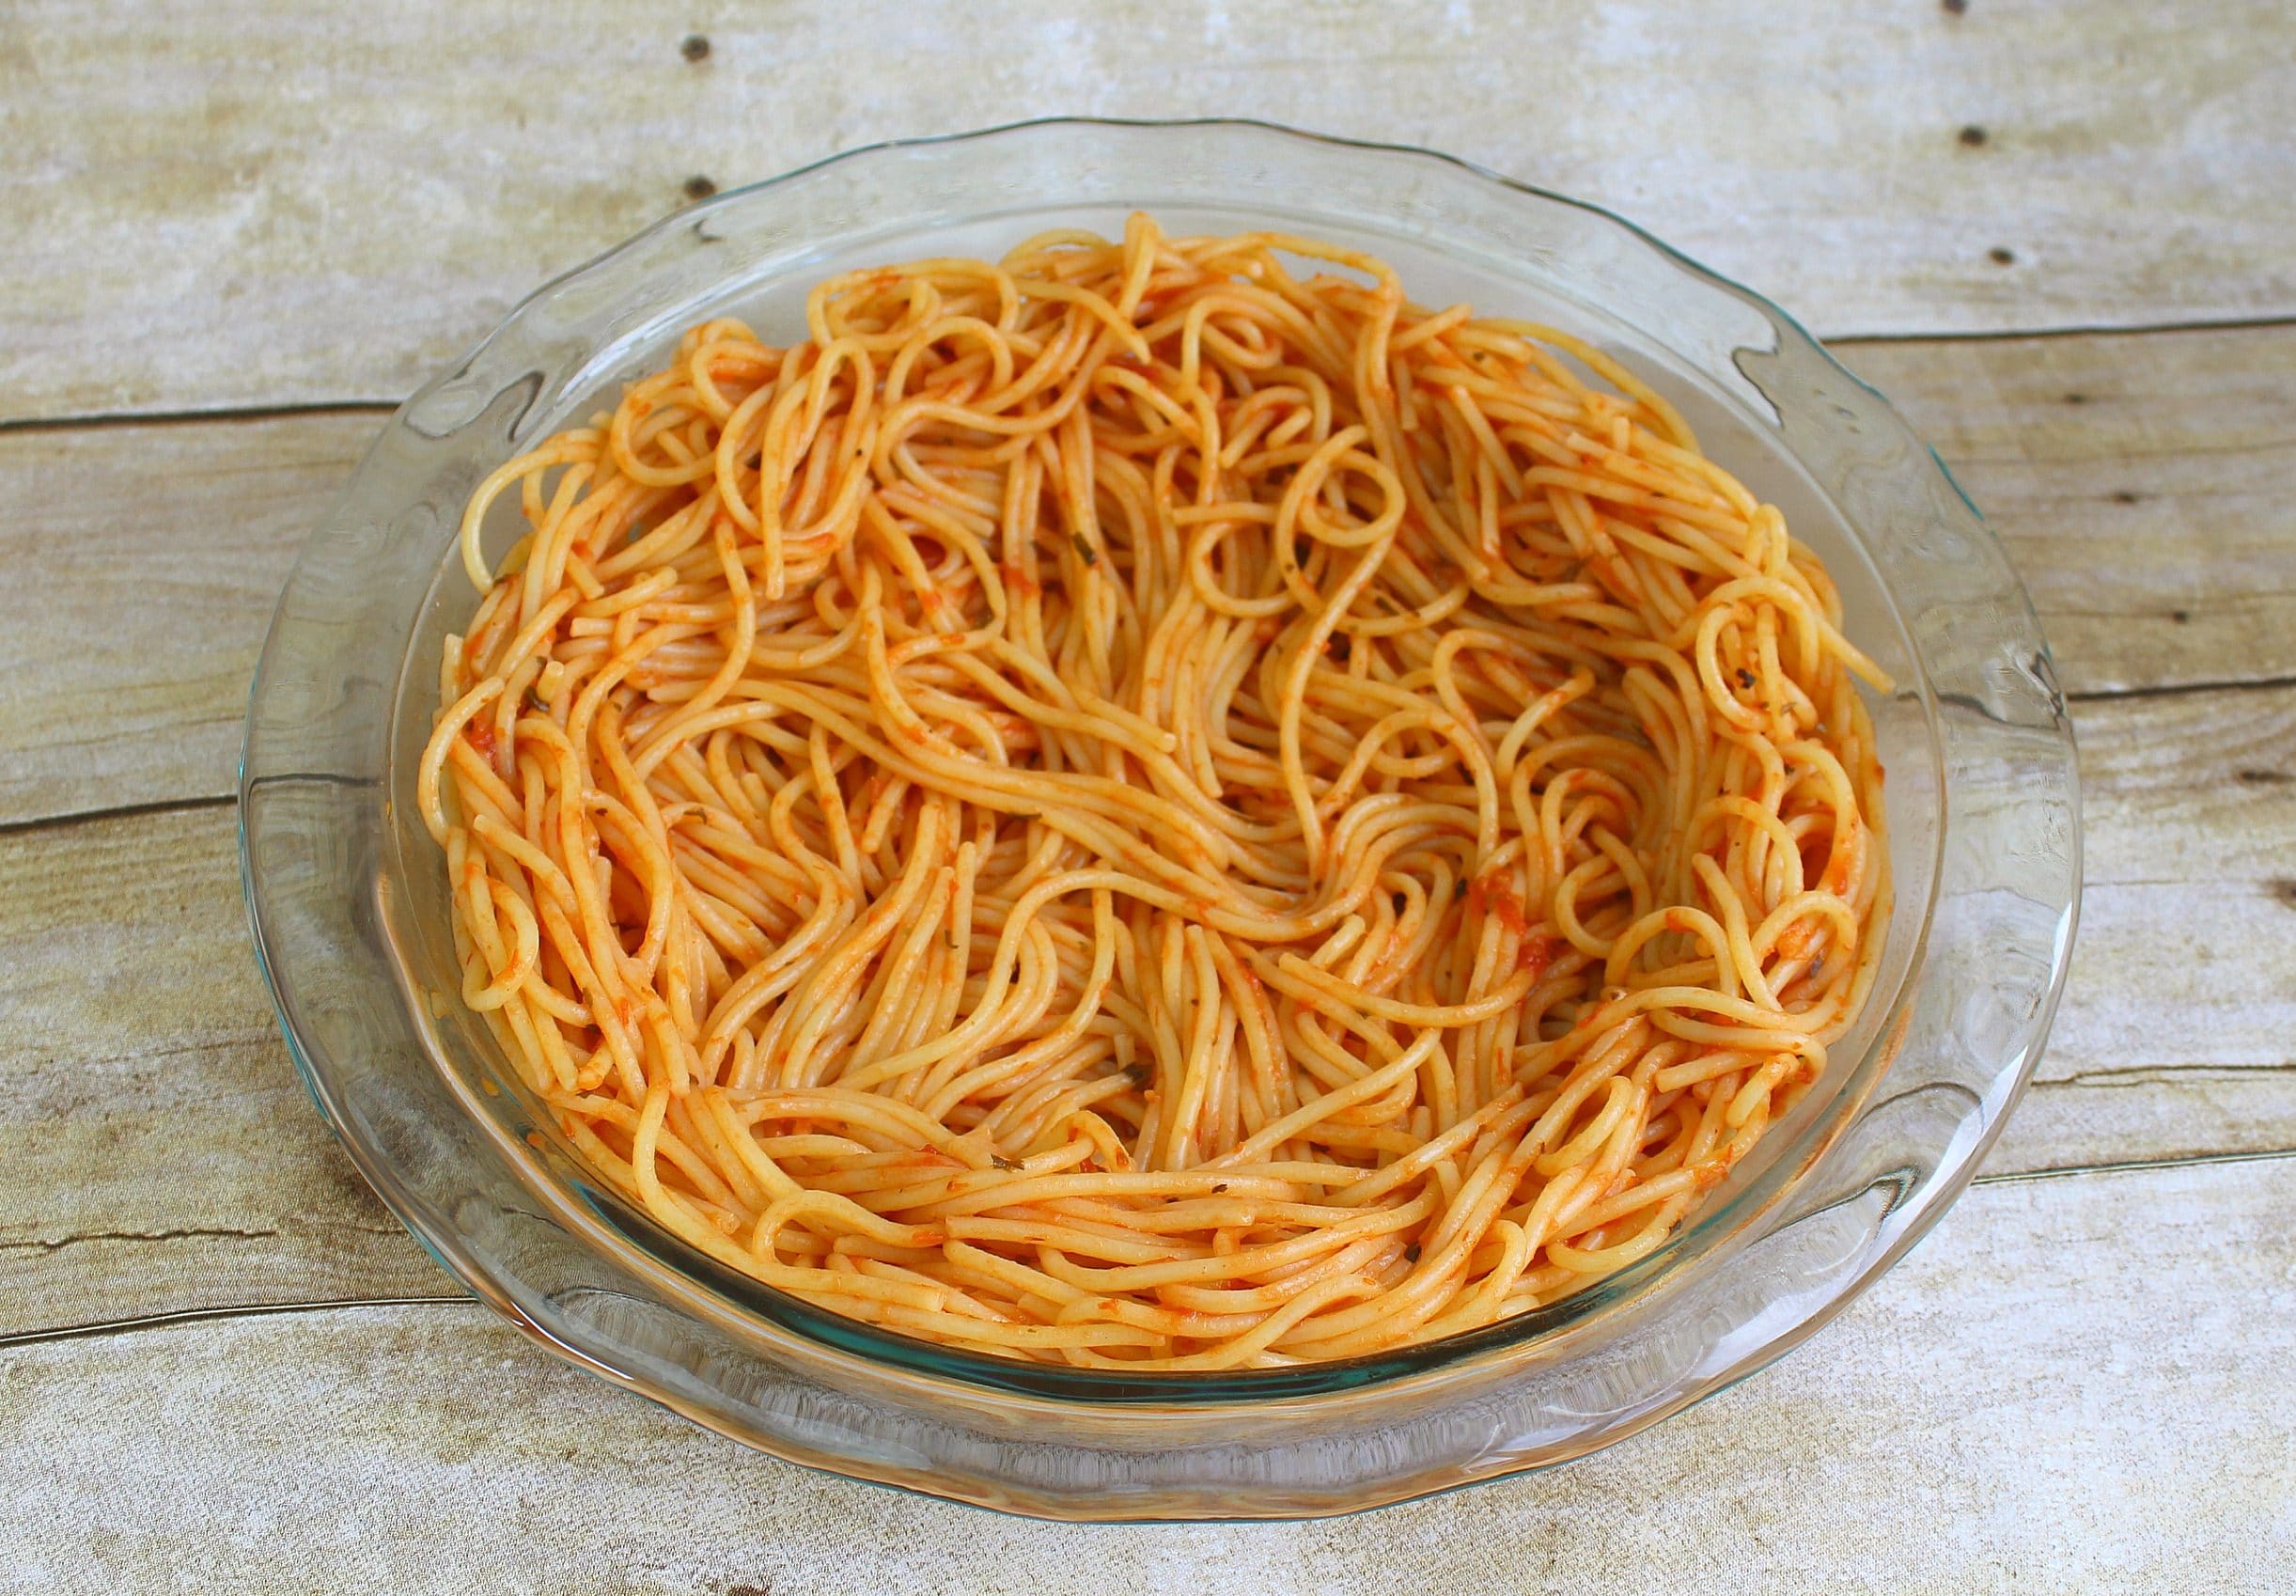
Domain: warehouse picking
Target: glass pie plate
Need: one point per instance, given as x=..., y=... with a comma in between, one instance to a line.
x=348, y=894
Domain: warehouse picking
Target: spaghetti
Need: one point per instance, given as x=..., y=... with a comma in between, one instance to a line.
x=1141, y=807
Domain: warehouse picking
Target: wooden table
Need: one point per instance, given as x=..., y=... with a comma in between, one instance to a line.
x=234, y=236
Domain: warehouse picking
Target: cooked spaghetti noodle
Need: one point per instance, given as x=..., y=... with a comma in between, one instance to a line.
x=1141, y=807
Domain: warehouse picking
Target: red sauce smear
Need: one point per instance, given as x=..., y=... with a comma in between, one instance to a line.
x=1493, y=895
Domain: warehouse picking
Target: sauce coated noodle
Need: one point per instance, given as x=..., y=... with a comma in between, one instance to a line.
x=1146, y=806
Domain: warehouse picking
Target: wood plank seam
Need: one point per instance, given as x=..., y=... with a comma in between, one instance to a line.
x=2179, y=689
x=118, y=812
x=211, y=1315
x=223, y=413
x=2194, y=1161
x=2066, y=330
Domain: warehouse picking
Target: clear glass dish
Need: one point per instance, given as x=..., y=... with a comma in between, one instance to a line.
x=347, y=892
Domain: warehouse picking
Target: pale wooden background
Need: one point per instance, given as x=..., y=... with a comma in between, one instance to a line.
x=2060, y=238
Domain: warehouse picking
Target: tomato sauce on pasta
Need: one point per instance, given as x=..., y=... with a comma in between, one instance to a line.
x=1154, y=803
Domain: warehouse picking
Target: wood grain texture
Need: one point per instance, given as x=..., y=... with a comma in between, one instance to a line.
x=320, y=202
x=2141, y=484
x=156, y=1154
x=153, y=555
x=2175, y=1034
x=1986, y=1419
x=156, y=550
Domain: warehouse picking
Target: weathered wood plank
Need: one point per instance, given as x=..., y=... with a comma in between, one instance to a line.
x=2174, y=1032
x=2140, y=483
x=132, y=1123
x=156, y=551
x=151, y=557
x=319, y=203
x=1936, y=1437
x=156, y=1152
